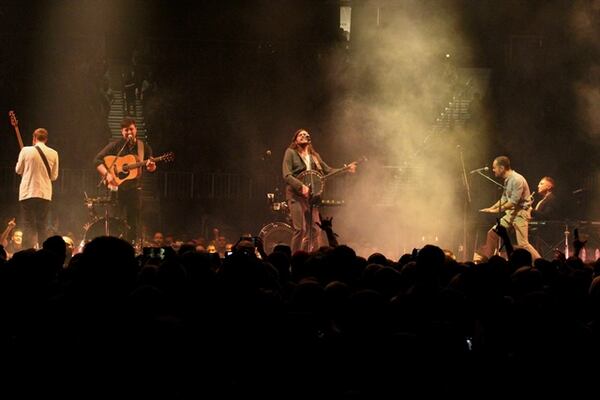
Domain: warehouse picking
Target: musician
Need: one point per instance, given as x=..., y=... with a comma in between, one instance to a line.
x=128, y=192
x=300, y=156
x=516, y=205
x=545, y=207
x=38, y=167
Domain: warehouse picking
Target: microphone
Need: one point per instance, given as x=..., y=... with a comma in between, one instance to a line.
x=479, y=170
x=266, y=155
x=532, y=195
x=129, y=138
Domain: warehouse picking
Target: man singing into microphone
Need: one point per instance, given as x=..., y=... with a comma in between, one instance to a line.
x=128, y=192
x=516, y=205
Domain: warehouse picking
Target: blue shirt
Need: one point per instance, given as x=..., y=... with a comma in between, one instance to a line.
x=516, y=190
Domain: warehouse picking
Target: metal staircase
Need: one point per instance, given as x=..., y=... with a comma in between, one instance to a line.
x=117, y=112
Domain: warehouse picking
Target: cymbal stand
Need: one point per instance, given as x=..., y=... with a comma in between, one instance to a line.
x=566, y=240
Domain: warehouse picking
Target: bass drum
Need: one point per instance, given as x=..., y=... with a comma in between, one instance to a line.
x=116, y=227
x=275, y=233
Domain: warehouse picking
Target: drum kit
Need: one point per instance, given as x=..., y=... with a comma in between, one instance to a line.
x=102, y=224
x=279, y=232
x=272, y=234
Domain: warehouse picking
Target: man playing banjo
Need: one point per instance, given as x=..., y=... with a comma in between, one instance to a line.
x=300, y=158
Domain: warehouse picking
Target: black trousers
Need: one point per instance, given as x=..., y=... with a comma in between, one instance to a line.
x=35, y=219
x=129, y=203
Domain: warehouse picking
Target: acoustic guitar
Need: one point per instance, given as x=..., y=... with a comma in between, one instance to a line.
x=126, y=167
x=15, y=123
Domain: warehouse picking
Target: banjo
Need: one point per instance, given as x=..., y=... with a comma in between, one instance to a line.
x=315, y=180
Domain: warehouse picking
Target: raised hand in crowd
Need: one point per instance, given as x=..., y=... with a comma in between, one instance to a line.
x=326, y=224
x=260, y=247
x=578, y=244
x=6, y=234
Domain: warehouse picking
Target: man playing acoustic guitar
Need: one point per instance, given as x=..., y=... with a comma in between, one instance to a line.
x=110, y=162
x=299, y=157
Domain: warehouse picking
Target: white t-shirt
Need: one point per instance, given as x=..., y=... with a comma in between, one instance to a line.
x=306, y=159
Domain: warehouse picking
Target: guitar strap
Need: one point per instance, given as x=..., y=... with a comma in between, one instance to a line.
x=315, y=159
x=140, y=153
x=45, y=160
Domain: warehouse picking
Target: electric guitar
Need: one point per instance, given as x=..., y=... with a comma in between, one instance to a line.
x=126, y=167
x=315, y=180
x=15, y=123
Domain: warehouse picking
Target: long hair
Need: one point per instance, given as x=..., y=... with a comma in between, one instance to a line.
x=310, y=148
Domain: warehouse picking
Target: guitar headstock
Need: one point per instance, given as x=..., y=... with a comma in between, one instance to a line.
x=170, y=156
x=13, y=119
x=362, y=159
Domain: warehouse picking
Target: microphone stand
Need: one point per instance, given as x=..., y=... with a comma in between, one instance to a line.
x=499, y=200
x=491, y=180
x=109, y=168
x=467, y=201
x=310, y=220
x=103, y=180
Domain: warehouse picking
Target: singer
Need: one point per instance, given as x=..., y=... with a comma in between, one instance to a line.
x=301, y=156
x=128, y=194
x=516, y=205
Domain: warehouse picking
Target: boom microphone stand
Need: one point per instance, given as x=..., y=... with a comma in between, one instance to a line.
x=109, y=168
x=467, y=201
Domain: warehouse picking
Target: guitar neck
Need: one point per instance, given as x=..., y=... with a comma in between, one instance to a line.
x=339, y=171
x=344, y=169
x=136, y=165
x=15, y=124
x=18, y=133
x=142, y=163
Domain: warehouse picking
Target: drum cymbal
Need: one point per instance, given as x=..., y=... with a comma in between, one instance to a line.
x=98, y=200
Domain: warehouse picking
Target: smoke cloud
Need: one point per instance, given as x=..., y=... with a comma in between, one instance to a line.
x=398, y=94
x=584, y=24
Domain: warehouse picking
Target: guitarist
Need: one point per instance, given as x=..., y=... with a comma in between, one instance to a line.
x=38, y=167
x=300, y=156
x=128, y=193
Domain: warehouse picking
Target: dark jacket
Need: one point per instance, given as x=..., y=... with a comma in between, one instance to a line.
x=113, y=148
x=547, y=208
x=293, y=165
